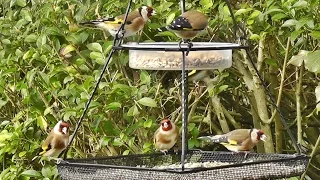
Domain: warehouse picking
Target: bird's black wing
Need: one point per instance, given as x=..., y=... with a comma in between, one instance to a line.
x=180, y=23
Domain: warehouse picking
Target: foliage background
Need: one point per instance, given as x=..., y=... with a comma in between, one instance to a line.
x=49, y=65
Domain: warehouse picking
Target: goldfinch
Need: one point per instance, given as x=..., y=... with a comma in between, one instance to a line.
x=239, y=139
x=134, y=23
x=188, y=25
x=57, y=140
x=166, y=136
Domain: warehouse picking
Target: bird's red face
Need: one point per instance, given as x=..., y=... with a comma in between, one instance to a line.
x=150, y=11
x=147, y=11
x=64, y=127
x=166, y=125
x=261, y=136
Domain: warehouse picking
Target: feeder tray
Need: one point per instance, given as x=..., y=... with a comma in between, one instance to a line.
x=198, y=165
x=167, y=55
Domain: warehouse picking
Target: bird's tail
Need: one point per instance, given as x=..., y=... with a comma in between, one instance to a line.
x=163, y=29
x=215, y=139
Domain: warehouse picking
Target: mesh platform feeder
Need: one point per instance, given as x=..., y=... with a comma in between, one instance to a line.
x=186, y=164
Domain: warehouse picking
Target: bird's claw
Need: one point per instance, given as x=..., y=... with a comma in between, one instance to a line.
x=164, y=151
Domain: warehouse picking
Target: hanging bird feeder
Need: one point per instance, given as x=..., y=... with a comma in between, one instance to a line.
x=187, y=164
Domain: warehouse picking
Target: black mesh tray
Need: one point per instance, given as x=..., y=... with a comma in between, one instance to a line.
x=199, y=165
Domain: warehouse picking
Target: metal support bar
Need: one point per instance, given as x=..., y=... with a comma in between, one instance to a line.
x=116, y=38
x=184, y=84
x=273, y=102
x=247, y=49
x=183, y=6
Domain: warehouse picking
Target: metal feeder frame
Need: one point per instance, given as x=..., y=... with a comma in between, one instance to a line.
x=184, y=49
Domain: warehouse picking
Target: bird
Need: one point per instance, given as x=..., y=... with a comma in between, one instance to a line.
x=188, y=25
x=57, y=140
x=238, y=140
x=134, y=23
x=166, y=136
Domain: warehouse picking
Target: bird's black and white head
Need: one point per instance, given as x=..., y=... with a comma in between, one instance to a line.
x=257, y=135
x=146, y=12
x=61, y=127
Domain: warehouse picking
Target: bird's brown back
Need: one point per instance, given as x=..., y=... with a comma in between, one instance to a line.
x=131, y=16
x=239, y=135
x=196, y=19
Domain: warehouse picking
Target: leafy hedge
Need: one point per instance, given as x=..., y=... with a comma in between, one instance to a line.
x=49, y=65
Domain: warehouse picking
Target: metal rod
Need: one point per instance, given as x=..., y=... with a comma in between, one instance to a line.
x=120, y=30
x=88, y=103
x=184, y=84
x=183, y=6
x=273, y=102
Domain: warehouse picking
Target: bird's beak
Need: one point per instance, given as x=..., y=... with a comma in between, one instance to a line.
x=263, y=138
x=64, y=130
x=165, y=125
x=153, y=13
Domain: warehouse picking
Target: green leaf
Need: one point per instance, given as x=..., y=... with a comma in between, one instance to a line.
x=300, y=4
x=166, y=33
x=47, y=111
x=279, y=16
x=42, y=39
x=31, y=173
x=67, y=79
x=104, y=141
x=254, y=36
x=117, y=142
x=315, y=34
x=6, y=41
x=146, y=101
x=126, y=152
x=170, y=18
x=299, y=58
x=96, y=55
x=133, y=111
x=22, y=153
x=313, y=61
x=95, y=47
x=222, y=88
x=240, y=11
x=147, y=145
x=31, y=38
x=290, y=22
x=255, y=14
x=67, y=49
x=145, y=77
x=114, y=106
x=26, y=15
x=147, y=123
x=5, y=135
x=42, y=123
x=21, y=3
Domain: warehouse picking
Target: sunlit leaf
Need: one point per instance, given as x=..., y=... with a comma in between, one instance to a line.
x=31, y=173
x=95, y=47
x=290, y=22
x=146, y=101
x=313, y=61
x=299, y=58
x=170, y=18
x=147, y=123
x=42, y=123
x=114, y=106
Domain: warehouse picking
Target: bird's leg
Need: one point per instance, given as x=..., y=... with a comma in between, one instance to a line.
x=139, y=36
x=245, y=153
